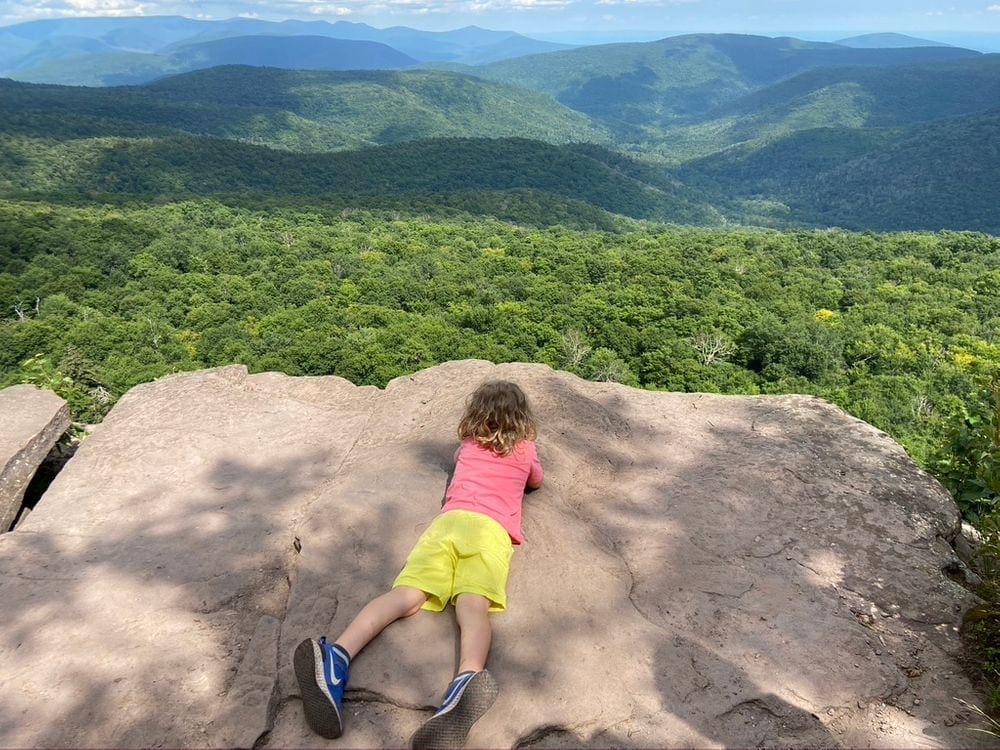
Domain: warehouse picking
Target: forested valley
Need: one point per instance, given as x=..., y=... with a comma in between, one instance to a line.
x=898, y=329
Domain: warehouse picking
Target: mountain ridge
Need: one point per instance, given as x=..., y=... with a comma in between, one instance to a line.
x=888, y=39
x=306, y=110
x=745, y=160
x=30, y=50
x=927, y=176
x=652, y=85
x=292, y=53
x=172, y=167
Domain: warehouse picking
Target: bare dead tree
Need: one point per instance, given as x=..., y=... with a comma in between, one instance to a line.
x=613, y=371
x=712, y=347
x=574, y=346
x=922, y=406
x=155, y=334
x=23, y=312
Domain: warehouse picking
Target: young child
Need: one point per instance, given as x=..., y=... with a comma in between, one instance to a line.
x=462, y=559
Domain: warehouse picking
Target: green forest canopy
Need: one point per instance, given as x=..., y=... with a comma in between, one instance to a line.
x=898, y=329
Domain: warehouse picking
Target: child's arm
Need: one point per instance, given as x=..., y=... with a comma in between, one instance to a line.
x=535, y=474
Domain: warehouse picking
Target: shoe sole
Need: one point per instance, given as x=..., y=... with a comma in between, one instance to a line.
x=321, y=712
x=451, y=729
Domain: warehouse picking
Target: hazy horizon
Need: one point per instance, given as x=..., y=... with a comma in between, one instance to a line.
x=628, y=19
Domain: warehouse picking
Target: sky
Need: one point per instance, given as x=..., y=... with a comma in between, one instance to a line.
x=540, y=17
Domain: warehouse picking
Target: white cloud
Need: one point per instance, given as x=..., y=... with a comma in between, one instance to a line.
x=994, y=8
x=77, y=8
x=659, y=3
x=324, y=9
x=536, y=3
x=479, y=6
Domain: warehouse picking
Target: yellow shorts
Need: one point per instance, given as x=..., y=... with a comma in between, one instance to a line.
x=461, y=552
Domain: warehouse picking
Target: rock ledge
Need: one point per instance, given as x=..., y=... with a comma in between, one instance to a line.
x=31, y=422
x=698, y=571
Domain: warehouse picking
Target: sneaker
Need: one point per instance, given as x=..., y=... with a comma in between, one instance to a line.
x=467, y=698
x=321, y=669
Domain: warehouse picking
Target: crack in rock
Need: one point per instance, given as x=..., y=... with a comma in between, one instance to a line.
x=728, y=596
x=540, y=733
x=807, y=567
x=605, y=542
x=614, y=548
x=783, y=547
x=700, y=686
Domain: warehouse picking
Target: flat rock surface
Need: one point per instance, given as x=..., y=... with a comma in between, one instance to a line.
x=698, y=571
x=31, y=421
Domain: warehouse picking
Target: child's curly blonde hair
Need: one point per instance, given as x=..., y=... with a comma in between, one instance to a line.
x=497, y=416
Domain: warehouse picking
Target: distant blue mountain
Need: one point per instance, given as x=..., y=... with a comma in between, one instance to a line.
x=140, y=33
x=470, y=45
x=60, y=48
x=292, y=53
x=104, y=49
x=288, y=52
x=874, y=41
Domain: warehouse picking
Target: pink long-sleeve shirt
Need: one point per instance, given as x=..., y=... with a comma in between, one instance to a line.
x=494, y=485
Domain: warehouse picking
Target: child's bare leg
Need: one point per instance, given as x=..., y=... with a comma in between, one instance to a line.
x=473, y=690
x=472, y=612
x=377, y=614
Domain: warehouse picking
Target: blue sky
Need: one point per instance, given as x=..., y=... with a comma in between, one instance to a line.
x=541, y=16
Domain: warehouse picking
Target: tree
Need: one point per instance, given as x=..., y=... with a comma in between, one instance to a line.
x=23, y=311
x=712, y=347
x=574, y=347
x=969, y=461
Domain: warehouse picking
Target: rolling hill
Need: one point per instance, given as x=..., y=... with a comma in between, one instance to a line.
x=897, y=95
x=296, y=110
x=940, y=175
x=180, y=167
x=108, y=69
x=56, y=49
x=845, y=97
x=862, y=146
x=645, y=88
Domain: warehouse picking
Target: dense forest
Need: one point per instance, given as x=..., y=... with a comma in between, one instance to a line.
x=898, y=329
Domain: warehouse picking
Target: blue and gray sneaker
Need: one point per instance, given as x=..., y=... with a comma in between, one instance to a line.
x=467, y=698
x=321, y=669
